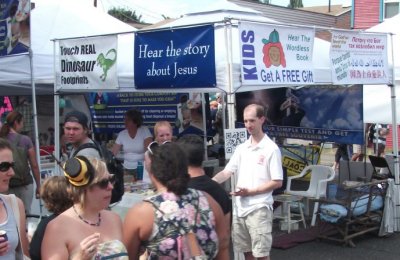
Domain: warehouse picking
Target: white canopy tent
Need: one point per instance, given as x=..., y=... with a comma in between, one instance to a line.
x=377, y=105
x=51, y=19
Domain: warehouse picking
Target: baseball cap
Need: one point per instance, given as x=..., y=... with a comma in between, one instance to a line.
x=78, y=117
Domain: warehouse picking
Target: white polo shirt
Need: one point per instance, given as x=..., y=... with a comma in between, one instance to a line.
x=253, y=166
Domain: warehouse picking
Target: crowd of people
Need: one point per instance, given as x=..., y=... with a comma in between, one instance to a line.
x=189, y=215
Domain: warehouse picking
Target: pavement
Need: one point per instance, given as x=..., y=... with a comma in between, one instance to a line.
x=368, y=246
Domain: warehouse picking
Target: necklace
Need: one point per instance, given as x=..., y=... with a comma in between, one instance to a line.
x=87, y=222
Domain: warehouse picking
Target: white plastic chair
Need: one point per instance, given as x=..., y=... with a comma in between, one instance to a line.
x=320, y=176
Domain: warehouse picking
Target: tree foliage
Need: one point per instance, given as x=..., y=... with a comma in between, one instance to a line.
x=125, y=15
x=295, y=4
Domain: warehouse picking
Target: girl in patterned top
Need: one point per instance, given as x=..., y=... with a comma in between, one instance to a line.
x=159, y=226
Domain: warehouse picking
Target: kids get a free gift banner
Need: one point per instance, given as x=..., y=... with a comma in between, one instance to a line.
x=276, y=55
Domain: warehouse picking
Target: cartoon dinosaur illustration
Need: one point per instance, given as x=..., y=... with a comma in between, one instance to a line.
x=106, y=63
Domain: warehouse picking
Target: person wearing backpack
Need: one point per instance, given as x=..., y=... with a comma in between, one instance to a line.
x=21, y=184
x=76, y=132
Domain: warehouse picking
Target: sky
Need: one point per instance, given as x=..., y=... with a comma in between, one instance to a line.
x=152, y=10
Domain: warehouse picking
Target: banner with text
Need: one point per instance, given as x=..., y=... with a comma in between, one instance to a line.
x=174, y=59
x=14, y=26
x=359, y=58
x=276, y=55
x=87, y=63
x=323, y=113
x=108, y=109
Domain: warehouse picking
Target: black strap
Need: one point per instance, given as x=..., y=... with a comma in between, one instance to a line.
x=88, y=145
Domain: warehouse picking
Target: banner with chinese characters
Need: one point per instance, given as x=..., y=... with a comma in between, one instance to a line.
x=359, y=58
x=87, y=63
x=276, y=55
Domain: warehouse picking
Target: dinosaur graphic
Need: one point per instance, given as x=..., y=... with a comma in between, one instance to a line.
x=106, y=63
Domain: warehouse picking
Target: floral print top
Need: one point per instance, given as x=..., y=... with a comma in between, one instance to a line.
x=177, y=215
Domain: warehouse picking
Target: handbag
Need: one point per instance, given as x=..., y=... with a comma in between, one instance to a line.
x=14, y=205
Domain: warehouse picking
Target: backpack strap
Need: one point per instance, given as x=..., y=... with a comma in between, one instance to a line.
x=88, y=145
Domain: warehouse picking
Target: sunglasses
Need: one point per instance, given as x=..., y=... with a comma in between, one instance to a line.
x=103, y=184
x=5, y=166
x=153, y=145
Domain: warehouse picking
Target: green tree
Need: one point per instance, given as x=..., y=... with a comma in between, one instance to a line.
x=295, y=4
x=125, y=15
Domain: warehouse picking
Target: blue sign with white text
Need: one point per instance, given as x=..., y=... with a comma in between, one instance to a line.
x=324, y=113
x=175, y=59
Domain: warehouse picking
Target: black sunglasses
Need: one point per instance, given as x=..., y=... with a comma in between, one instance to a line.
x=103, y=184
x=5, y=166
x=155, y=144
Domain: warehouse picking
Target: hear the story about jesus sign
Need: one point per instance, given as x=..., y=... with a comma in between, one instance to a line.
x=179, y=58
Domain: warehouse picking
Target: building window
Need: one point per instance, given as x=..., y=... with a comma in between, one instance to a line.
x=391, y=9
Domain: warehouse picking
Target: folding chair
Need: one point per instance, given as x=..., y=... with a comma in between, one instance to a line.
x=381, y=168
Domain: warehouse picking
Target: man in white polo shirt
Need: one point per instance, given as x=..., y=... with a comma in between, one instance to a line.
x=257, y=165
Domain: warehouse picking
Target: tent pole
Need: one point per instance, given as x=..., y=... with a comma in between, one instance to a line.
x=56, y=115
x=394, y=118
x=35, y=122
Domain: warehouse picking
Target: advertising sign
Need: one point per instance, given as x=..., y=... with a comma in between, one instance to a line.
x=87, y=63
x=359, y=58
x=14, y=26
x=324, y=114
x=276, y=55
x=174, y=59
x=108, y=109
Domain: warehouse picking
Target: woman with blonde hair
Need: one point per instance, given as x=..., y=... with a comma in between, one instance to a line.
x=87, y=230
x=162, y=132
x=56, y=199
x=12, y=212
x=22, y=186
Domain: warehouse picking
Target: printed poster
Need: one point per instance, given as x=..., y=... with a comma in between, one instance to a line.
x=174, y=59
x=323, y=113
x=276, y=55
x=233, y=137
x=14, y=26
x=108, y=109
x=359, y=58
x=87, y=63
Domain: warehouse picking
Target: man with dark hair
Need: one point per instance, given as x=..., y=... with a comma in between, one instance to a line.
x=193, y=147
x=76, y=132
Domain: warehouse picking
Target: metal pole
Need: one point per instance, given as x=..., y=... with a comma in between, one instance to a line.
x=394, y=119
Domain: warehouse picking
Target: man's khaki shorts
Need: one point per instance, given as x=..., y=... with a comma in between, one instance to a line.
x=252, y=233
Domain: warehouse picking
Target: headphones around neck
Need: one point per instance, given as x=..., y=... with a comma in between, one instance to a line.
x=79, y=171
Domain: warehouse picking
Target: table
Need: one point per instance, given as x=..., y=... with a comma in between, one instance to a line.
x=287, y=200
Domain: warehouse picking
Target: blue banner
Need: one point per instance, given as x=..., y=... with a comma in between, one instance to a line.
x=108, y=109
x=14, y=26
x=325, y=114
x=175, y=59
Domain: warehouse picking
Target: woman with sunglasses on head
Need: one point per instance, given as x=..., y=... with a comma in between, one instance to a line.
x=13, y=238
x=87, y=230
x=159, y=223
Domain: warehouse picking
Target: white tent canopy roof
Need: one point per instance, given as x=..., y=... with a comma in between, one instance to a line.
x=217, y=14
x=57, y=19
x=377, y=98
